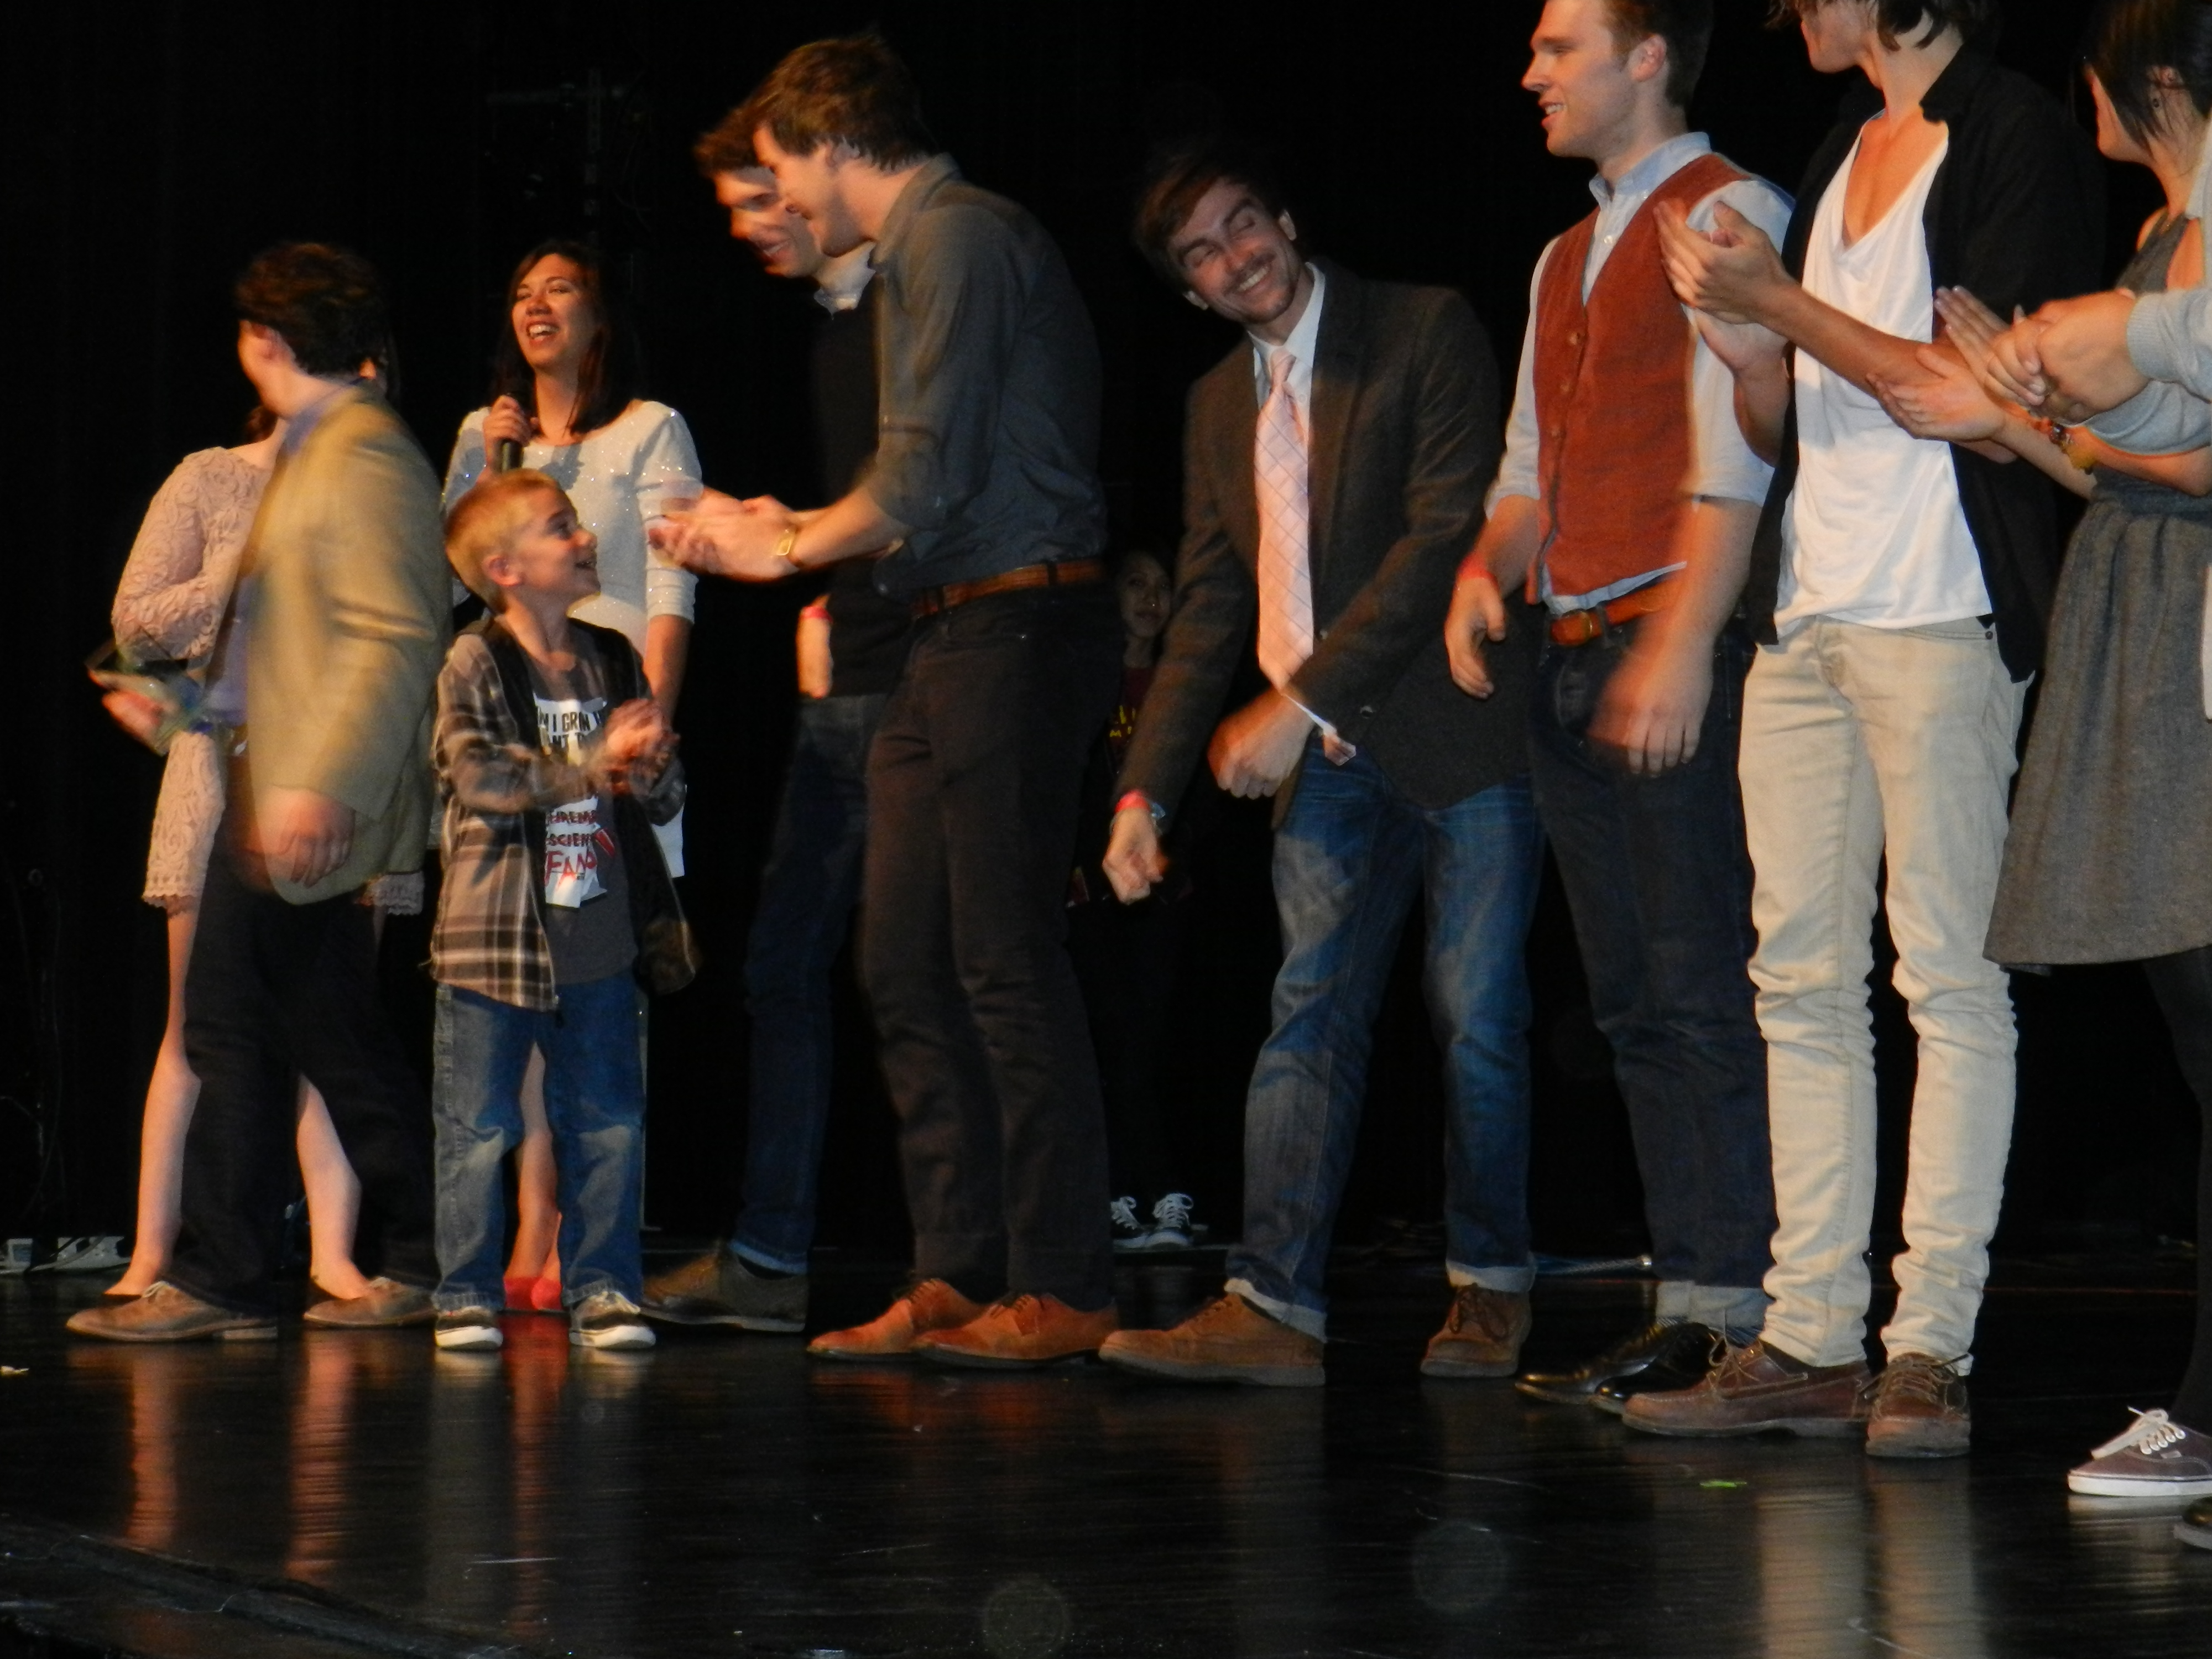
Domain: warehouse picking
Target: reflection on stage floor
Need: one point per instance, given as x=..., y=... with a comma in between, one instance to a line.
x=722, y=1495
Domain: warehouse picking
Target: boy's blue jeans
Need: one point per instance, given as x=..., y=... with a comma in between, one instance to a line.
x=595, y=1101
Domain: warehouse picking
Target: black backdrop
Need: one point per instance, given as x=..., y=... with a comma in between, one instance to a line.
x=151, y=148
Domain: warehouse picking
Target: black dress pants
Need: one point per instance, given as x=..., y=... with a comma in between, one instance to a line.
x=277, y=991
x=973, y=783
x=2183, y=985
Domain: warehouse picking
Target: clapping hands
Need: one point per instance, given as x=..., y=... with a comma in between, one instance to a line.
x=635, y=745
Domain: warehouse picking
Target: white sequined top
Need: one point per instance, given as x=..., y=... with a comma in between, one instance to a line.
x=618, y=476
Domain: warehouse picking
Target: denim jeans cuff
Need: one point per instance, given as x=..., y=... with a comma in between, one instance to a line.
x=1738, y=1309
x=446, y=1299
x=1673, y=1300
x=756, y=1255
x=1311, y=1320
x=1513, y=1281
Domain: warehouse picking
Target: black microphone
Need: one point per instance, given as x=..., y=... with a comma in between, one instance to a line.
x=510, y=456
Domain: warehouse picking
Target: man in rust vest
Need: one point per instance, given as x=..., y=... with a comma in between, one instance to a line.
x=1627, y=503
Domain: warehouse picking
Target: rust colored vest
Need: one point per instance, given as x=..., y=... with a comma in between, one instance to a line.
x=1612, y=379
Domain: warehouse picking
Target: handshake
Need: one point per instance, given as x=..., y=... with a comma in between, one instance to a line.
x=722, y=536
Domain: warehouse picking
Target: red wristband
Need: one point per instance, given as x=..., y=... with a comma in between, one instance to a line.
x=1138, y=798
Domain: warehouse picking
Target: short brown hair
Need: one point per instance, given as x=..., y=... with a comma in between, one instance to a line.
x=727, y=146
x=1895, y=19
x=325, y=302
x=485, y=521
x=852, y=90
x=1179, y=178
x=1687, y=27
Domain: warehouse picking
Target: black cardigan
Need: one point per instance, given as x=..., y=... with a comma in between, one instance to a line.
x=2015, y=215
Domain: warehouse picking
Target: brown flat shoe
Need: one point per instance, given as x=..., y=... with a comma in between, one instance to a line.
x=166, y=1314
x=1020, y=1331
x=1918, y=1408
x=1756, y=1389
x=1482, y=1335
x=1227, y=1341
x=385, y=1305
x=932, y=1305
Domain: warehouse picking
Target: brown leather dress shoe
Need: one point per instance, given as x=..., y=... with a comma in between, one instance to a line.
x=1482, y=1335
x=932, y=1305
x=1756, y=1389
x=1020, y=1331
x=1919, y=1409
x=166, y=1314
x=1227, y=1341
x=384, y=1305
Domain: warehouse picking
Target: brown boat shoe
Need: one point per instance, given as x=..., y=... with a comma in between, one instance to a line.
x=166, y=1314
x=1017, y=1332
x=932, y=1305
x=1754, y=1390
x=1482, y=1335
x=1918, y=1408
x=1227, y=1341
x=385, y=1304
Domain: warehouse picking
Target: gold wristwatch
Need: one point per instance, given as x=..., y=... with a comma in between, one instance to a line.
x=788, y=544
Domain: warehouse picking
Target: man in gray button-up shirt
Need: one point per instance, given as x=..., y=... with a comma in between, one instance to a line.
x=987, y=376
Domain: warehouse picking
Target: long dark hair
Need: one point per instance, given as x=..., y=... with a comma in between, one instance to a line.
x=2129, y=40
x=608, y=379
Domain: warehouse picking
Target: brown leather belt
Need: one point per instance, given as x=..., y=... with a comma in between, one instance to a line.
x=1063, y=573
x=1581, y=627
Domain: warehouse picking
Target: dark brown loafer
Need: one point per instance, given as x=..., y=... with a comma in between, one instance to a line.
x=1482, y=1335
x=1754, y=1390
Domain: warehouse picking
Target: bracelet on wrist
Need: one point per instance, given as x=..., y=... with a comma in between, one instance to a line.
x=1138, y=798
x=786, y=545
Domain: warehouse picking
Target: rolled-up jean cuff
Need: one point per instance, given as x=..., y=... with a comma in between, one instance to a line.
x=1311, y=1320
x=1513, y=1281
x=1739, y=1309
x=1673, y=1300
x=753, y=1254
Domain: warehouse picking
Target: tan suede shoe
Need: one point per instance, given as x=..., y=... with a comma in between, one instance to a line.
x=1227, y=1341
x=1754, y=1389
x=1482, y=1335
x=932, y=1305
x=166, y=1314
x=386, y=1304
x=1020, y=1331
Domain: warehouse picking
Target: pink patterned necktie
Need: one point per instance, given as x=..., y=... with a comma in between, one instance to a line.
x=1279, y=466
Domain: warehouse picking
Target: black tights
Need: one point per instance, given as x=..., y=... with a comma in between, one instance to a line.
x=2183, y=985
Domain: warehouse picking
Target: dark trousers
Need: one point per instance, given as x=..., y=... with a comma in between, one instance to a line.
x=2183, y=985
x=277, y=991
x=972, y=791
x=1125, y=956
x=1659, y=881
x=806, y=900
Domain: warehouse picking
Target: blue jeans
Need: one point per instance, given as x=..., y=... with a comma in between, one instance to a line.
x=1351, y=855
x=595, y=1103
x=806, y=899
x=1659, y=881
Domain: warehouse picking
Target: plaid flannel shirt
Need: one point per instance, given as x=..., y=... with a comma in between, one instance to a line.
x=489, y=938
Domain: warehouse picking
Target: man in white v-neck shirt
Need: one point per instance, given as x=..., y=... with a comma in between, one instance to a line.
x=1900, y=587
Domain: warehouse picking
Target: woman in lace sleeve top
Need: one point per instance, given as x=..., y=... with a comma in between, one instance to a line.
x=175, y=589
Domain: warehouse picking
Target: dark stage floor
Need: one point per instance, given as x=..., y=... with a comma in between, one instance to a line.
x=331, y=1494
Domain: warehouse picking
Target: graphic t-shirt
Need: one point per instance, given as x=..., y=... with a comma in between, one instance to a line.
x=587, y=906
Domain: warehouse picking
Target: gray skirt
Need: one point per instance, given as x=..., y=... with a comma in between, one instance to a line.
x=2110, y=854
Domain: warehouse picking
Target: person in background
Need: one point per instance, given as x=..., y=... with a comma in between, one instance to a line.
x=852, y=643
x=565, y=393
x=1635, y=530
x=319, y=687
x=1334, y=465
x=554, y=768
x=2109, y=858
x=175, y=587
x=1898, y=591
x=1126, y=955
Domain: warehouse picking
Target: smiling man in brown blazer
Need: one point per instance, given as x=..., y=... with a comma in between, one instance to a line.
x=1334, y=468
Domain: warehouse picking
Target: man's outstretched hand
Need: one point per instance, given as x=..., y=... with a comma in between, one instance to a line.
x=723, y=536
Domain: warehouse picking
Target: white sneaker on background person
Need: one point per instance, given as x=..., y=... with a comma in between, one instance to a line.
x=2157, y=1458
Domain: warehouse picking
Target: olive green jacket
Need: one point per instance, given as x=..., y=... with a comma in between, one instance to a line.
x=351, y=616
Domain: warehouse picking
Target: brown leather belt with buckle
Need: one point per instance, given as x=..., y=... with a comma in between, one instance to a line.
x=1064, y=573
x=1581, y=627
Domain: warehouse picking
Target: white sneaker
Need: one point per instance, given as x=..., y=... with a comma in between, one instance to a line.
x=460, y=1330
x=2157, y=1458
x=1171, y=1228
x=1129, y=1233
x=608, y=1319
